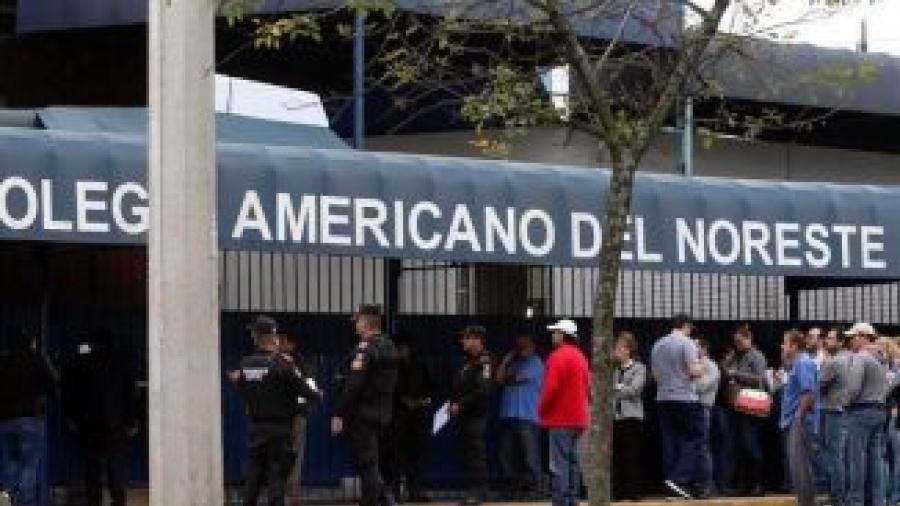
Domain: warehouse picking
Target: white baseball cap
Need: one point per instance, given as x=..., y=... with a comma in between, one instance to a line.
x=861, y=328
x=566, y=326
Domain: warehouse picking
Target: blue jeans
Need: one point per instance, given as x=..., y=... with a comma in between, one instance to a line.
x=865, y=452
x=681, y=428
x=707, y=454
x=565, y=471
x=520, y=454
x=21, y=441
x=798, y=447
x=834, y=445
x=893, y=476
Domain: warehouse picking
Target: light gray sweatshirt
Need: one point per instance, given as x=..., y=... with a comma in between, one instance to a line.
x=833, y=380
x=867, y=380
x=708, y=385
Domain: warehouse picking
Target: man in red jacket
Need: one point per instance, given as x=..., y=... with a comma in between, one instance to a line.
x=563, y=410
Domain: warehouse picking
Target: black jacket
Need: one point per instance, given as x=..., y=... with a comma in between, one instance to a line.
x=472, y=388
x=26, y=379
x=99, y=394
x=414, y=386
x=367, y=383
x=271, y=385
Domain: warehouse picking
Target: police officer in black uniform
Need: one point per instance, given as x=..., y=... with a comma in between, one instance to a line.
x=270, y=383
x=365, y=402
x=469, y=407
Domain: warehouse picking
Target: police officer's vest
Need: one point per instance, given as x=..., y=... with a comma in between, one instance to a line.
x=269, y=396
x=474, y=383
x=374, y=403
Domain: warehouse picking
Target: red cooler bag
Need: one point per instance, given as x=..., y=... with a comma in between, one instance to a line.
x=754, y=402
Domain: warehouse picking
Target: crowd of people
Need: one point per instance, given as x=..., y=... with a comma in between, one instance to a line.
x=100, y=406
x=384, y=406
x=834, y=396
x=837, y=415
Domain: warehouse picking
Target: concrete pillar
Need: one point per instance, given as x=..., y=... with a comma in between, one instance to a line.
x=185, y=377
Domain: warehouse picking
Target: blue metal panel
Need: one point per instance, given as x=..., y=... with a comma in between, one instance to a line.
x=232, y=128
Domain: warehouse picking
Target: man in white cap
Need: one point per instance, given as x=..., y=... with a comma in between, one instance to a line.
x=563, y=410
x=867, y=387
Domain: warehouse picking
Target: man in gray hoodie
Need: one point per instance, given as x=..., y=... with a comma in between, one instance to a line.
x=867, y=387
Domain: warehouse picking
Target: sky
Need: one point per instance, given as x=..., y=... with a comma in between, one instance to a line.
x=814, y=22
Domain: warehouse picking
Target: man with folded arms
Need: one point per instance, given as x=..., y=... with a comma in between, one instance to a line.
x=675, y=362
x=867, y=387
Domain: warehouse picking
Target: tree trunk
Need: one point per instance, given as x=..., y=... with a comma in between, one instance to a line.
x=618, y=206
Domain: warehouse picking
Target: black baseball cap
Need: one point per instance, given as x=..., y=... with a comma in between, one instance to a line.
x=263, y=326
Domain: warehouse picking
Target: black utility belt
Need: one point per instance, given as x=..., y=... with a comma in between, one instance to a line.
x=270, y=424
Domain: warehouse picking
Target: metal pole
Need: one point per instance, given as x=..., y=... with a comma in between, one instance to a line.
x=43, y=255
x=685, y=117
x=183, y=306
x=393, y=270
x=359, y=64
x=687, y=137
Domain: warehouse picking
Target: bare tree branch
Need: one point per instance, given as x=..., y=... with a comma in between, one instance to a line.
x=694, y=46
x=601, y=63
x=700, y=11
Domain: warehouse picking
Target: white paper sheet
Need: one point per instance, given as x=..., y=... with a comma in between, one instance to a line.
x=441, y=417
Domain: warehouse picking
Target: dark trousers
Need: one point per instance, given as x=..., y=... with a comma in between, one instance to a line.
x=269, y=460
x=721, y=448
x=746, y=434
x=295, y=475
x=364, y=443
x=472, y=436
x=401, y=451
x=520, y=455
x=681, y=428
x=104, y=454
x=628, y=436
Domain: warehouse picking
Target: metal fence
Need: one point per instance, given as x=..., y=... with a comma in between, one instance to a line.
x=297, y=283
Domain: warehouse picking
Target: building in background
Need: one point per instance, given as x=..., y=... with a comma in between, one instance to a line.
x=100, y=61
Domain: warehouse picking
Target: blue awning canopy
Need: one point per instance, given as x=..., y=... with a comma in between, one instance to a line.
x=90, y=187
x=231, y=128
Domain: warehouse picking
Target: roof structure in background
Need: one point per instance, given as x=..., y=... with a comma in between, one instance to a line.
x=808, y=75
x=47, y=15
x=253, y=99
x=800, y=70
